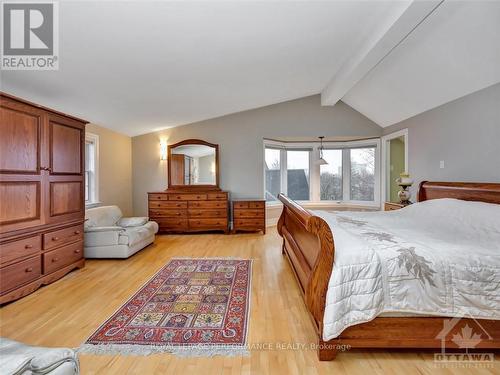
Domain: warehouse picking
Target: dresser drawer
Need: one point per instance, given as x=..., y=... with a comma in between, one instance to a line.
x=207, y=224
x=208, y=204
x=62, y=236
x=257, y=223
x=59, y=258
x=240, y=204
x=257, y=204
x=20, y=273
x=158, y=197
x=249, y=213
x=167, y=204
x=20, y=249
x=187, y=197
x=217, y=196
x=195, y=213
x=167, y=213
x=173, y=225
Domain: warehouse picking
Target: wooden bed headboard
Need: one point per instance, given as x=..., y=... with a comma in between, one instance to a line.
x=468, y=191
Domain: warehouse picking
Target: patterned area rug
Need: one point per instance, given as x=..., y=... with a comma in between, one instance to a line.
x=191, y=307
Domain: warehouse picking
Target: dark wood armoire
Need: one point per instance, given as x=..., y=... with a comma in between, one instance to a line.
x=41, y=196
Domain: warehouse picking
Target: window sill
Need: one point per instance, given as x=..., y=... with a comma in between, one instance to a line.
x=330, y=204
x=92, y=204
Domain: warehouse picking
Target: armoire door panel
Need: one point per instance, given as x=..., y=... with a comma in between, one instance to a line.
x=19, y=140
x=65, y=148
x=20, y=206
x=65, y=197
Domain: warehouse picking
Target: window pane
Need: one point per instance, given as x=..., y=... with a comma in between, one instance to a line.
x=363, y=174
x=89, y=170
x=87, y=192
x=331, y=176
x=298, y=175
x=273, y=177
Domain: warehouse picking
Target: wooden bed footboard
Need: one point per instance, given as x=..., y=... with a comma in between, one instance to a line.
x=309, y=246
x=308, y=243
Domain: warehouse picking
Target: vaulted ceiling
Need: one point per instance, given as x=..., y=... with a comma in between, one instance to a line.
x=137, y=67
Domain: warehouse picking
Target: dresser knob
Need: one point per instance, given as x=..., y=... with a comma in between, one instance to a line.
x=77, y=232
x=29, y=269
x=54, y=260
x=28, y=246
x=77, y=251
x=55, y=238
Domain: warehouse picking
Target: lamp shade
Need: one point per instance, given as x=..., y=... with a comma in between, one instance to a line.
x=163, y=150
x=322, y=161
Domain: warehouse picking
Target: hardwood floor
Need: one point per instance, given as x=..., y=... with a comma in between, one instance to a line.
x=67, y=312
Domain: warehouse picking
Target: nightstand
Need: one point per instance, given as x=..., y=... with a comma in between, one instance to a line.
x=249, y=215
x=391, y=206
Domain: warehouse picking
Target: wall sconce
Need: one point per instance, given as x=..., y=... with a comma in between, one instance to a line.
x=163, y=150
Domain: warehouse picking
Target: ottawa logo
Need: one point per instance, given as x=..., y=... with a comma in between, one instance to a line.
x=464, y=333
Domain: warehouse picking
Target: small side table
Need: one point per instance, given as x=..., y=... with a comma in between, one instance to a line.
x=249, y=215
x=391, y=206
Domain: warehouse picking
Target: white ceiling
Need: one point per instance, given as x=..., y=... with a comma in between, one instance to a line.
x=137, y=67
x=454, y=52
x=141, y=66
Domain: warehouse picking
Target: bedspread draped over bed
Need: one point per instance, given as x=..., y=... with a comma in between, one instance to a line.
x=438, y=257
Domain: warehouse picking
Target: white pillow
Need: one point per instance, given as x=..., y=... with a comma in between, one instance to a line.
x=132, y=221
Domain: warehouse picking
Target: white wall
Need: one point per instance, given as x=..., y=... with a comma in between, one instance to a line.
x=464, y=133
x=115, y=168
x=240, y=137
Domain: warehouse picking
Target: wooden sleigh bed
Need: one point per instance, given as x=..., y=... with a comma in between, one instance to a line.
x=309, y=246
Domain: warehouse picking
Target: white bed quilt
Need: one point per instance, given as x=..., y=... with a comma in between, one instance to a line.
x=438, y=257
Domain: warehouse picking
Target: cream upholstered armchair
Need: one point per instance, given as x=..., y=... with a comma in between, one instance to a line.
x=109, y=235
x=17, y=358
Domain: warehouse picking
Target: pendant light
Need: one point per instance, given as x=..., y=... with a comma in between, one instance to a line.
x=321, y=161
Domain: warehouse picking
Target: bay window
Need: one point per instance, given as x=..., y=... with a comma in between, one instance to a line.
x=362, y=177
x=351, y=173
x=297, y=174
x=330, y=176
x=272, y=160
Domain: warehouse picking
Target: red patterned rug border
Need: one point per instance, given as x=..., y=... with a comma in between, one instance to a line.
x=184, y=349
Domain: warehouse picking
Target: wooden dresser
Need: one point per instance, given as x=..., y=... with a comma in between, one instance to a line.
x=249, y=215
x=41, y=194
x=177, y=211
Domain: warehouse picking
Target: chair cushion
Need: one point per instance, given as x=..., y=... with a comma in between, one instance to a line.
x=101, y=238
x=104, y=216
x=133, y=235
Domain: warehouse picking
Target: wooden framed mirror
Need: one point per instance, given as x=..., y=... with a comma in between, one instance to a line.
x=193, y=164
